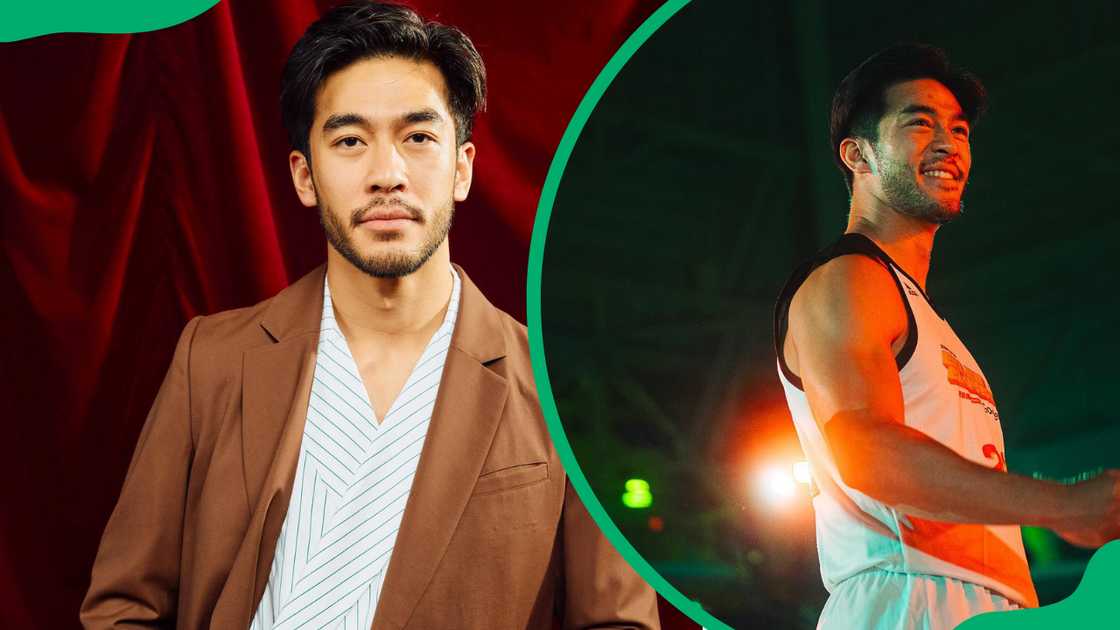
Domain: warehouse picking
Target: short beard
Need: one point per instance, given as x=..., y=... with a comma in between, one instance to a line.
x=395, y=264
x=902, y=193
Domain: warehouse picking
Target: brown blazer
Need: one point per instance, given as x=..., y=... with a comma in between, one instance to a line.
x=492, y=535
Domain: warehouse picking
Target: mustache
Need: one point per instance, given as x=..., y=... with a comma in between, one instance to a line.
x=414, y=213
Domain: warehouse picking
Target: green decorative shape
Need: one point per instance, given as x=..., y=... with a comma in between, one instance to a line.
x=1091, y=606
x=637, y=495
x=23, y=20
x=536, y=332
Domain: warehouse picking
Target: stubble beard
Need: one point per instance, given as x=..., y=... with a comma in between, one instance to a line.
x=395, y=263
x=901, y=192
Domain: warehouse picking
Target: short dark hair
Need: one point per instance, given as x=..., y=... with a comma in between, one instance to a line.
x=355, y=31
x=858, y=104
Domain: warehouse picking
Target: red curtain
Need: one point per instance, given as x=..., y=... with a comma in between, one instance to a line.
x=144, y=179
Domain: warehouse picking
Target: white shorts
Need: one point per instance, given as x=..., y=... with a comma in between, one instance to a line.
x=887, y=600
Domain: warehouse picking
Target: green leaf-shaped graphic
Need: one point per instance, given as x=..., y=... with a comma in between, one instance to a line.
x=1091, y=606
x=21, y=20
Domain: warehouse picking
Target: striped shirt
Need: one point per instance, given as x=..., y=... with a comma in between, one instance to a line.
x=352, y=482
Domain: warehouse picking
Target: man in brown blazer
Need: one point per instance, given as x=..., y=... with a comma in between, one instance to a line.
x=379, y=106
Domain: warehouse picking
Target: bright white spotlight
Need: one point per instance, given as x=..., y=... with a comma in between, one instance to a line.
x=776, y=486
x=801, y=473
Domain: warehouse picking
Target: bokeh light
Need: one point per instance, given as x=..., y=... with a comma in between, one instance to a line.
x=776, y=486
x=637, y=495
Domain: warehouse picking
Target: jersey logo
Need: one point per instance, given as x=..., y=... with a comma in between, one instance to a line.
x=976, y=388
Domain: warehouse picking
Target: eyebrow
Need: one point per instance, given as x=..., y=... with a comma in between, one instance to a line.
x=925, y=109
x=337, y=121
x=422, y=116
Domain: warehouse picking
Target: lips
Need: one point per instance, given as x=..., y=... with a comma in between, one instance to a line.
x=385, y=216
x=388, y=212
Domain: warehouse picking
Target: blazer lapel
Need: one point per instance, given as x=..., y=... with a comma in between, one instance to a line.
x=464, y=421
x=277, y=382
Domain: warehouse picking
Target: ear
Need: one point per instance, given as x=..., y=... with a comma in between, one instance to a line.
x=856, y=156
x=301, y=179
x=464, y=171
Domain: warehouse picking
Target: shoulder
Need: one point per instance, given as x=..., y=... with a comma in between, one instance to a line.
x=490, y=334
x=517, y=365
x=849, y=292
x=238, y=328
x=217, y=341
x=516, y=335
x=853, y=275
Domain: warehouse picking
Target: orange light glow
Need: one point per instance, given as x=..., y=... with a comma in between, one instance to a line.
x=776, y=486
x=801, y=473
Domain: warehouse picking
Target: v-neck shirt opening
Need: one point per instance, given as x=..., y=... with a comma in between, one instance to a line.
x=331, y=331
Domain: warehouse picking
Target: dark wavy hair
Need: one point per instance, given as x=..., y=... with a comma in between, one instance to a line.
x=355, y=31
x=859, y=104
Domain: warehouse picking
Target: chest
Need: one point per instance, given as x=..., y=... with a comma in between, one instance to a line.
x=384, y=371
x=945, y=393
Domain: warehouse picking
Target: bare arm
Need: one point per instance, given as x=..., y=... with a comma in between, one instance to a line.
x=844, y=324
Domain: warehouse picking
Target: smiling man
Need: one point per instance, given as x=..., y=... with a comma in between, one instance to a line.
x=365, y=448
x=917, y=517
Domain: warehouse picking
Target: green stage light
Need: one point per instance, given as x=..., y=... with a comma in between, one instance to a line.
x=637, y=495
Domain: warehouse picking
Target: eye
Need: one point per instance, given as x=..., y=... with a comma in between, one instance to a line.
x=921, y=122
x=349, y=142
x=419, y=138
x=961, y=131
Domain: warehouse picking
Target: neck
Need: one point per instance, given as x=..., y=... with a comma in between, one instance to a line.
x=366, y=306
x=907, y=240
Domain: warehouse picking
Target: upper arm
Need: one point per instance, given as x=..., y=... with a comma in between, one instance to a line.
x=135, y=577
x=845, y=322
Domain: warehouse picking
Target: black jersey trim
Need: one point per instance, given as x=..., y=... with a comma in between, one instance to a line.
x=850, y=243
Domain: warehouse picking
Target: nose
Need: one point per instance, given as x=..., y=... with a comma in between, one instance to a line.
x=386, y=169
x=944, y=142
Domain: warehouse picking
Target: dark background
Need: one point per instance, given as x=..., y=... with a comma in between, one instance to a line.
x=705, y=175
x=144, y=180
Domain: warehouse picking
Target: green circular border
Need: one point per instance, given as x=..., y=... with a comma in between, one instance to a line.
x=536, y=337
x=1086, y=605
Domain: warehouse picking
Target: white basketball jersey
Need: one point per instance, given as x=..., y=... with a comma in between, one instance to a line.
x=945, y=396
